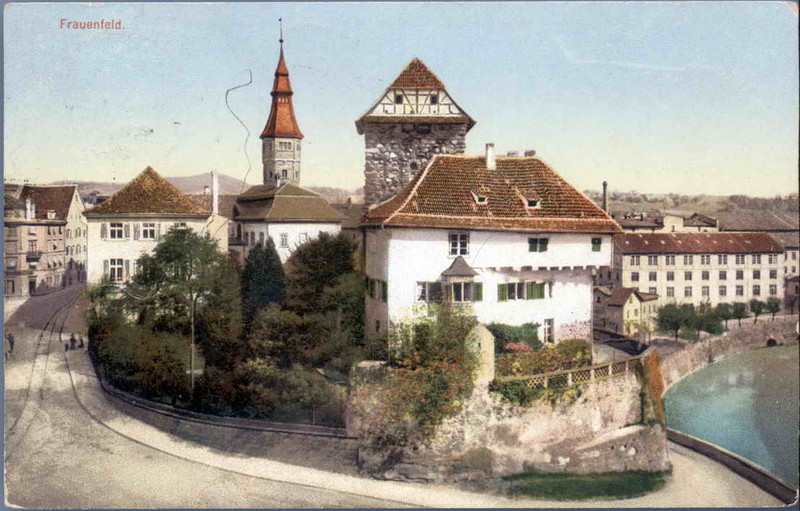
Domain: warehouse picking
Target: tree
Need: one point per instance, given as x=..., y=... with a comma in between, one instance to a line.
x=773, y=306
x=185, y=271
x=672, y=317
x=315, y=265
x=263, y=280
x=739, y=311
x=725, y=312
x=757, y=308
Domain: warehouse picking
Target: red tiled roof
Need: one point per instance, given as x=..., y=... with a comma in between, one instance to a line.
x=55, y=198
x=619, y=296
x=281, y=121
x=697, y=243
x=441, y=196
x=287, y=203
x=149, y=194
x=416, y=75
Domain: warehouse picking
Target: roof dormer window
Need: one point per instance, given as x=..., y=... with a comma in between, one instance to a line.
x=533, y=203
x=480, y=197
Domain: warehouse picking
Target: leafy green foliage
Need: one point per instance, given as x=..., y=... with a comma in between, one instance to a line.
x=606, y=485
x=757, y=307
x=739, y=311
x=263, y=279
x=773, y=306
x=527, y=334
x=725, y=312
x=674, y=317
x=567, y=354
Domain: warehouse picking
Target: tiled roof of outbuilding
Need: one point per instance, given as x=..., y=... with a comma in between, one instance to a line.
x=149, y=194
x=416, y=75
x=753, y=220
x=697, y=243
x=619, y=296
x=789, y=240
x=287, y=203
x=55, y=198
x=442, y=196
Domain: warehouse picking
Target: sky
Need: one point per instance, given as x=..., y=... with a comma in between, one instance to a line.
x=696, y=97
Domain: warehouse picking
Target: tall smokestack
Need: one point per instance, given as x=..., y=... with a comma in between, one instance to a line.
x=605, y=196
x=491, y=162
x=214, y=193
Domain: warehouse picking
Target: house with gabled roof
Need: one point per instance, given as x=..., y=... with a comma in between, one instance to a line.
x=132, y=221
x=624, y=312
x=507, y=239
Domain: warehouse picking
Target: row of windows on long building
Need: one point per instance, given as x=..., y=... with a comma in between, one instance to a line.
x=705, y=275
x=705, y=259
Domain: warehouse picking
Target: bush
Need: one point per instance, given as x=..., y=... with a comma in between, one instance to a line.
x=527, y=333
x=574, y=353
x=577, y=351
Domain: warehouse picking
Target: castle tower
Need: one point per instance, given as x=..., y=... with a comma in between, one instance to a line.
x=412, y=121
x=280, y=140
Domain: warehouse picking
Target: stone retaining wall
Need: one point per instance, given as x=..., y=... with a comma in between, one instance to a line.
x=694, y=356
x=599, y=431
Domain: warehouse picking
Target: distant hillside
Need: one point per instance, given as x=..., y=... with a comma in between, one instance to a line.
x=228, y=185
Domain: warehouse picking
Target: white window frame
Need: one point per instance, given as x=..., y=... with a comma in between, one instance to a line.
x=149, y=231
x=459, y=243
x=116, y=231
x=116, y=265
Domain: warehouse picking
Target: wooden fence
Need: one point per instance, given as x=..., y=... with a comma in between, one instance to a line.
x=578, y=376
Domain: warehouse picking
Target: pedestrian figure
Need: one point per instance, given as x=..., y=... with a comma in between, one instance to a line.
x=72, y=341
x=80, y=340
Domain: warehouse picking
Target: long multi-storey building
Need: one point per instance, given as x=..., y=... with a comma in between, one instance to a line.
x=698, y=268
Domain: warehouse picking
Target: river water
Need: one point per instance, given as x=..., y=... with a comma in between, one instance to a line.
x=748, y=404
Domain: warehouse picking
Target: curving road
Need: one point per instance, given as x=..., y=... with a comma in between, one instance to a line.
x=68, y=447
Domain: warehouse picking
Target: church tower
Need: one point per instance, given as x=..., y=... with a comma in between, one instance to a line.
x=281, y=138
x=412, y=121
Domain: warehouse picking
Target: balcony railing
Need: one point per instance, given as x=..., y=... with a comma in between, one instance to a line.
x=33, y=255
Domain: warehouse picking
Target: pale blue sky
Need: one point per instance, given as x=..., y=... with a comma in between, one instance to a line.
x=660, y=97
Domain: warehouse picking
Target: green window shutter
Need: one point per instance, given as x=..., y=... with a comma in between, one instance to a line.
x=532, y=244
x=104, y=230
x=543, y=244
x=529, y=286
x=384, y=291
x=477, y=291
x=538, y=291
x=596, y=244
x=502, y=292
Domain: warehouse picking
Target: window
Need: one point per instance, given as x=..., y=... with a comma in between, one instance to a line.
x=670, y=292
x=756, y=258
x=756, y=290
x=398, y=99
x=597, y=244
x=739, y=290
x=115, y=267
x=772, y=258
x=670, y=275
x=705, y=259
x=739, y=258
x=148, y=231
x=459, y=244
x=653, y=276
x=723, y=275
x=723, y=291
x=535, y=290
x=284, y=173
x=722, y=259
x=704, y=291
x=652, y=290
x=773, y=289
x=794, y=256
x=705, y=275
x=756, y=274
x=739, y=275
x=687, y=292
x=635, y=260
x=32, y=246
x=549, y=325
x=534, y=203
x=670, y=260
x=434, y=99
x=687, y=259
x=461, y=291
x=284, y=240
x=10, y=287
x=537, y=244
x=773, y=274
x=652, y=260
x=261, y=239
x=687, y=275
x=179, y=225
x=115, y=231
x=635, y=276
x=303, y=237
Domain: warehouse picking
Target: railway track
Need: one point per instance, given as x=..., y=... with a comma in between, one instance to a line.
x=53, y=329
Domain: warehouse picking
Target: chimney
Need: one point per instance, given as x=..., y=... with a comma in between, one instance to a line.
x=605, y=196
x=214, y=192
x=205, y=190
x=28, y=209
x=491, y=162
x=530, y=153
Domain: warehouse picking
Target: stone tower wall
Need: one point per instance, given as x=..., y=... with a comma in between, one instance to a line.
x=396, y=152
x=275, y=160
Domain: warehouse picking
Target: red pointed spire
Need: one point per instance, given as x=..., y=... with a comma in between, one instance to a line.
x=282, y=122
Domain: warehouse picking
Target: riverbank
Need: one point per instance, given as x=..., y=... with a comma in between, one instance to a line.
x=679, y=359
